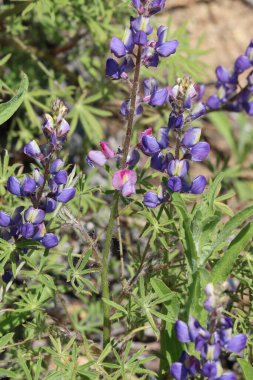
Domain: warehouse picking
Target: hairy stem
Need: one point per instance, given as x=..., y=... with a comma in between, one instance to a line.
x=114, y=208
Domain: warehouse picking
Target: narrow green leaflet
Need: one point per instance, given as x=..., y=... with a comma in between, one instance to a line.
x=225, y=265
x=9, y=108
x=231, y=225
x=190, y=248
x=247, y=369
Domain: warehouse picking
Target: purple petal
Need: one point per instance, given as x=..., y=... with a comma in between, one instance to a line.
x=178, y=168
x=112, y=68
x=237, y=343
x=56, y=165
x=38, y=177
x=50, y=240
x=149, y=86
x=5, y=219
x=156, y=6
x=198, y=185
x=161, y=34
x=128, y=189
x=128, y=40
x=182, y=332
x=228, y=376
x=175, y=121
x=211, y=351
x=66, y=195
x=13, y=186
x=28, y=186
x=159, y=97
x=32, y=149
x=149, y=57
x=61, y=177
x=191, y=137
x=117, y=47
x=163, y=137
x=223, y=74
x=27, y=230
x=178, y=371
x=96, y=157
x=142, y=23
x=140, y=38
x=133, y=158
x=39, y=232
x=48, y=205
x=209, y=370
x=242, y=63
x=200, y=151
x=34, y=215
x=151, y=200
x=167, y=48
x=213, y=102
x=175, y=184
x=63, y=128
x=149, y=145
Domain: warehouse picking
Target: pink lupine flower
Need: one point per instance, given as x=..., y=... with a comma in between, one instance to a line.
x=125, y=181
x=99, y=157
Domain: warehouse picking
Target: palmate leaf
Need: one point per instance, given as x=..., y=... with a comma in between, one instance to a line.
x=7, y=109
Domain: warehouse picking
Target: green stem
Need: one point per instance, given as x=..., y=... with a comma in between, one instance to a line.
x=104, y=275
x=114, y=208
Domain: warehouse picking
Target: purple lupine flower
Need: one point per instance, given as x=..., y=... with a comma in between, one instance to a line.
x=175, y=121
x=50, y=240
x=151, y=200
x=28, y=186
x=63, y=129
x=133, y=158
x=117, y=47
x=66, y=195
x=175, y=184
x=7, y=276
x=178, y=168
x=27, y=230
x=149, y=145
x=163, y=48
x=5, y=219
x=187, y=366
x=141, y=23
x=34, y=215
x=125, y=180
x=61, y=177
x=48, y=204
x=198, y=185
x=237, y=343
x=38, y=177
x=125, y=107
x=182, y=332
x=117, y=70
x=13, y=186
x=242, y=63
x=32, y=149
x=56, y=165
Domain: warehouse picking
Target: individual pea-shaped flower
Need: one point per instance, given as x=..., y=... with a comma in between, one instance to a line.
x=120, y=70
x=96, y=157
x=48, y=204
x=152, y=200
x=125, y=107
x=50, y=240
x=63, y=129
x=152, y=94
x=198, y=185
x=38, y=177
x=121, y=48
x=193, y=149
x=28, y=186
x=5, y=219
x=34, y=215
x=178, y=168
x=48, y=125
x=61, y=177
x=125, y=180
x=13, y=186
x=66, y=195
x=27, y=230
x=32, y=149
x=133, y=158
x=56, y=165
x=187, y=367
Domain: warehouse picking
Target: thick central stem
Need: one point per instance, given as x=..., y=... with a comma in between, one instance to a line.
x=114, y=209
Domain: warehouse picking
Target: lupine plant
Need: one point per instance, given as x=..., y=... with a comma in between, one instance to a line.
x=142, y=274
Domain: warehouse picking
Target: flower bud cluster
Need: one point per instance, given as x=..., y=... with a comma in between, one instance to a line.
x=213, y=343
x=44, y=187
